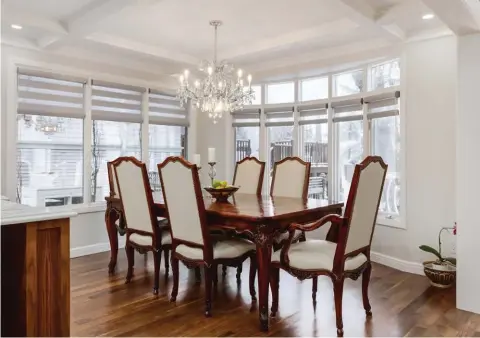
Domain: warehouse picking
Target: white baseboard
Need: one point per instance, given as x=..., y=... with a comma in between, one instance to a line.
x=93, y=249
x=396, y=263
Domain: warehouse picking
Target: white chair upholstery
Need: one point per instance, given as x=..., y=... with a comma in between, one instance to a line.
x=289, y=180
x=223, y=249
x=317, y=255
x=134, y=198
x=147, y=240
x=365, y=207
x=247, y=176
x=181, y=201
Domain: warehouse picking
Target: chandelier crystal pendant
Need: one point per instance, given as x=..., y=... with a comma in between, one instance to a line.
x=222, y=89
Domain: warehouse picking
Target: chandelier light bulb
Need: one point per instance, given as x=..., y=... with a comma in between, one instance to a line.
x=209, y=70
x=249, y=77
x=197, y=83
x=186, y=73
x=181, y=78
x=240, y=73
x=220, y=84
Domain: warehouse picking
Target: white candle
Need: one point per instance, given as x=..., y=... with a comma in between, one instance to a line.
x=211, y=155
x=196, y=160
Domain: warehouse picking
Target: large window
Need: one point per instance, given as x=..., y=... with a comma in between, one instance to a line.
x=49, y=140
x=348, y=83
x=281, y=92
x=314, y=89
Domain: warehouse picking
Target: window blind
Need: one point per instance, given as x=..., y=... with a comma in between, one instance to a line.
x=348, y=109
x=312, y=113
x=246, y=118
x=165, y=109
x=116, y=102
x=382, y=105
x=49, y=95
x=279, y=116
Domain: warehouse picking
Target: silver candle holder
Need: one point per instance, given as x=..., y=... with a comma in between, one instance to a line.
x=212, y=172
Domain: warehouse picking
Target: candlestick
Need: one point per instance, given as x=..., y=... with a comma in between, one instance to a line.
x=212, y=172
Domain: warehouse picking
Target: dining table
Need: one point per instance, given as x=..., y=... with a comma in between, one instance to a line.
x=260, y=217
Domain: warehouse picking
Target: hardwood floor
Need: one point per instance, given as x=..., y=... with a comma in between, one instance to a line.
x=403, y=305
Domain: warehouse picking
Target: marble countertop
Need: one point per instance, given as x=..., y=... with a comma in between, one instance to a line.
x=13, y=213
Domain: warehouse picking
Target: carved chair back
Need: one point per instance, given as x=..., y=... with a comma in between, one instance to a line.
x=290, y=178
x=362, y=208
x=184, y=203
x=112, y=180
x=249, y=175
x=136, y=196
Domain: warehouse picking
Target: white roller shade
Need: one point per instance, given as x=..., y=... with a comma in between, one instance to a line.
x=312, y=113
x=116, y=102
x=165, y=109
x=350, y=109
x=278, y=116
x=246, y=118
x=383, y=105
x=49, y=96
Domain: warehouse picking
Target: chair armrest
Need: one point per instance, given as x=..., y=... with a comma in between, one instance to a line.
x=333, y=218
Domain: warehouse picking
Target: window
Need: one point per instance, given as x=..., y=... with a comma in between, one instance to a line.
x=385, y=75
x=281, y=92
x=314, y=147
x=314, y=89
x=257, y=90
x=246, y=124
x=49, y=140
x=348, y=83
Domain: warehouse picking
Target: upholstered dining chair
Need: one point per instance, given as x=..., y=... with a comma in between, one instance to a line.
x=290, y=178
x=192, y=242
x=142, y=231
x=349, y=256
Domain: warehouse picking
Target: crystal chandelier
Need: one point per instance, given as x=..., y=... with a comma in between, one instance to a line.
x=220, y=91
x=45, y=124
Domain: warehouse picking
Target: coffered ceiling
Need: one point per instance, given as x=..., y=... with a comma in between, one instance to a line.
x=262, y=35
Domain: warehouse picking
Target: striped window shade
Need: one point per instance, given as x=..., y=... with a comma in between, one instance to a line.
x=347, y=109
x=248, y=117
x=116, y=102
x=312, y=113
x=42, y=93
x=278, y=116
x=165, y=109
x=383, y=104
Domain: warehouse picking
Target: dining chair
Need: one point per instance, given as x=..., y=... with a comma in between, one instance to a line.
x=248, y=176
x=349, y=256
x=192, y=242
x=290, y=178
x=142, y=231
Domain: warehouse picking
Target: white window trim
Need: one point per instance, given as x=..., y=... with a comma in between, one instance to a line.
x=384, y=220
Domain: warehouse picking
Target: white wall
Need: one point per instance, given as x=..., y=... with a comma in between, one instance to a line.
x=467, y=174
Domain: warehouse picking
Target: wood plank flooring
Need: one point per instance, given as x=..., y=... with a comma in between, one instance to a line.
x=403, y=305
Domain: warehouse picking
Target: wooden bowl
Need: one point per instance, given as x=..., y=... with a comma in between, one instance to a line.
x=440, y=276
x=221, y=195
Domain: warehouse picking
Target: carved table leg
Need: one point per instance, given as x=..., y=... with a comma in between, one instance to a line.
x=111, y=216
x=264, y=255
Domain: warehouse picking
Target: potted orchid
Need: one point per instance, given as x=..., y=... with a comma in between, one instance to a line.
x=442, y=271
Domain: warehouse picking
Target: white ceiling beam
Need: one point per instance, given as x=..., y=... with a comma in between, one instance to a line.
x=474, y=7
x=456, y=15
x=366, y=15
x=87, y=21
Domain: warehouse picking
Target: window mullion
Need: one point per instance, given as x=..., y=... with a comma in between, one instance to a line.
x=87, y=142
x=366, y=132
x=144, y=140
x=332, y=145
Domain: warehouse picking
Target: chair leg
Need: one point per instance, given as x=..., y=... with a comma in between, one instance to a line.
x=131, y=261
x=157, y=259
x=224, y=271
x=239, y=273
x=198, y=277
x=175, y=278
x=215, y=274
x=253, y=273
x=208, y=291
x=365, y=281
x=166, y=254
x=338, y=295
x=274, y=285
x=314, y=290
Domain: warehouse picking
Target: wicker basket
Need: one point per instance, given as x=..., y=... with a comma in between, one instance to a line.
x=443, y=277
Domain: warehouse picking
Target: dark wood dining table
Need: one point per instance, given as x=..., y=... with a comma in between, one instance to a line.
x=261, y=218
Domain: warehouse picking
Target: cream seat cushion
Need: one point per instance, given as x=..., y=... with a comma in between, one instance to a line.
x=231, y=248
x=147, y=240
x=317, y=255
x=284, y=236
